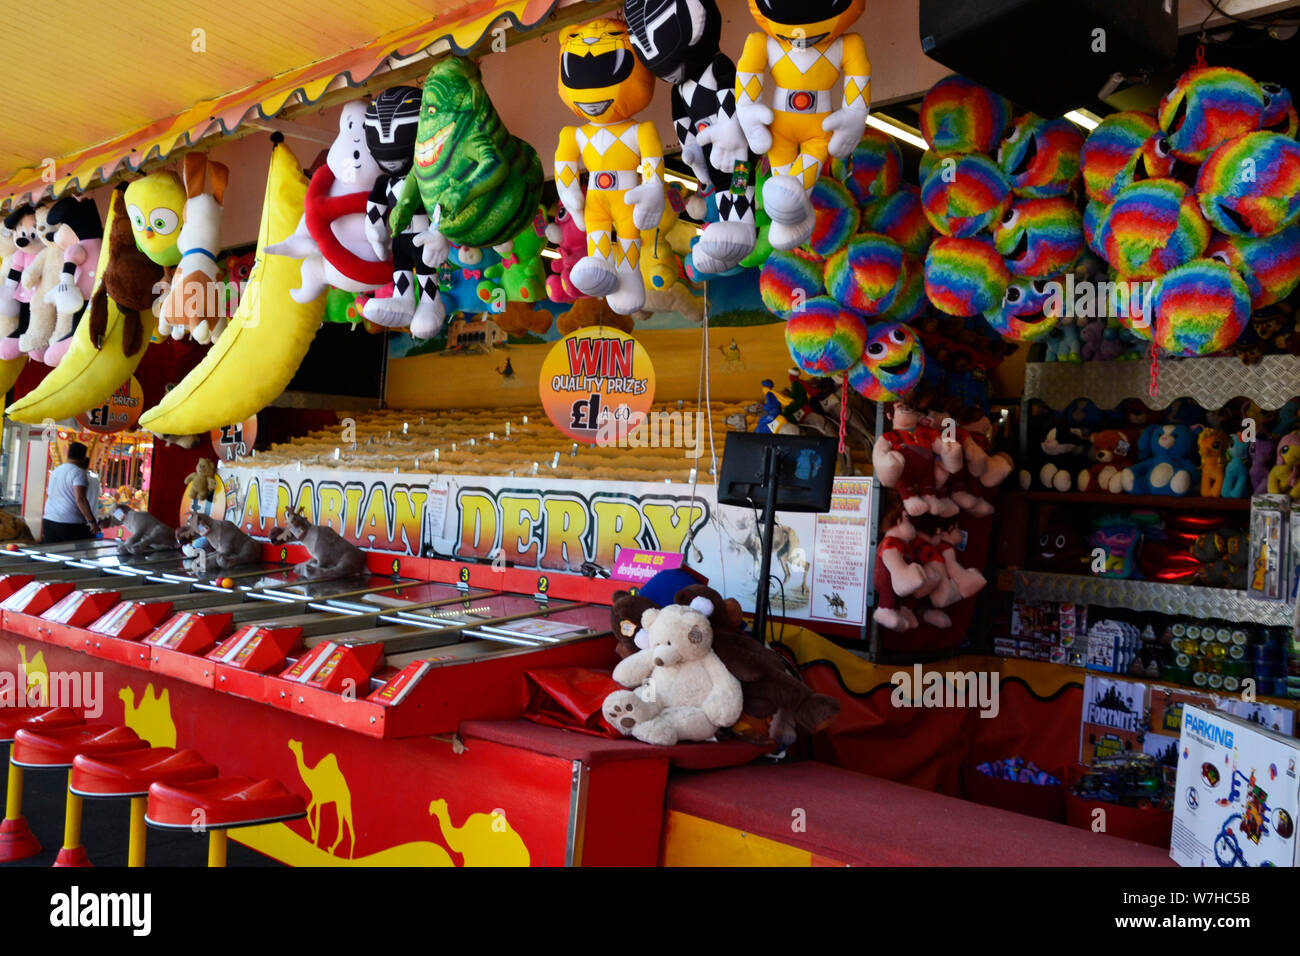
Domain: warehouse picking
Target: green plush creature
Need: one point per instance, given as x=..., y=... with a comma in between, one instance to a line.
x=521, y=272
x=479, y=184
x=762, y=245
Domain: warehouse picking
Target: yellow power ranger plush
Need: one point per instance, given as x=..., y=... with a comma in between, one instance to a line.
x=604, y=83
x=804, y=49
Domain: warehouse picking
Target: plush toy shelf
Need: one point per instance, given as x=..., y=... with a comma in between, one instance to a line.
x=1153, y=596
x=1210, y=382
x=1138, y=501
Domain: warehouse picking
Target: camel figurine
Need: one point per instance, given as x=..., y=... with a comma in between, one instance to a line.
x=326, y=784
x=331, y=556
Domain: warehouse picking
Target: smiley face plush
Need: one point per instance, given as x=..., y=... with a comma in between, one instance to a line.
x=1250, y=186
x=824, y=338
x=155, y=205
x=1039, y=157
x=1279, y=110
x=1020, y=316
x=891, y=365
x=1040, y=237
x=1152, y=227
x=867, y=275
x=965, y=195
x=1270, y=266
x=1126, y=147
x=1207, y=106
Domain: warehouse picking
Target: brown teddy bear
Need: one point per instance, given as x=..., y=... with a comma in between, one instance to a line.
x=625, y=620
x=770, y=690
x=201, y=482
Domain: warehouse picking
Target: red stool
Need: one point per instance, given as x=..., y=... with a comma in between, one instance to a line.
x=56, y=749
x=129, y=775
x=17, y=842
x=220, y=805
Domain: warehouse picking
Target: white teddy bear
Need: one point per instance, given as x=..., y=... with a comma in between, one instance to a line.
x=683, y=691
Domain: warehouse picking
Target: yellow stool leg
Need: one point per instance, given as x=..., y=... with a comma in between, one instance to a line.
x=216, y=848
x=14, y=793
x=135, y=842
x=72, y=853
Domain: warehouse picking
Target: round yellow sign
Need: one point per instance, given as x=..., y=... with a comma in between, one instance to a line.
x=596, y=384
x=119, y=412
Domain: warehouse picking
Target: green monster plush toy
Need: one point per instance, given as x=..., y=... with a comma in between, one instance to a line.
x=522, y=273
x=480, y=185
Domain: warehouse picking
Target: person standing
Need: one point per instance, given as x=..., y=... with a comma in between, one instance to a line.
x=69, y=514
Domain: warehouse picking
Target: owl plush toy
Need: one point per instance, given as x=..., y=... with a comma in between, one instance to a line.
x=677, y=40
x=799, y=56
x=604, y=83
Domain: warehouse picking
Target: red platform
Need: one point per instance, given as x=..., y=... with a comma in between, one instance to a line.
x=130, y=774
x=221, y=803
x=55, y=748
x=13, y=719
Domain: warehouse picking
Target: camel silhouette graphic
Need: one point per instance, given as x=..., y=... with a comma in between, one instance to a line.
x=36, y=677
x=150, y=716
x=484, y=839
x=327, y=785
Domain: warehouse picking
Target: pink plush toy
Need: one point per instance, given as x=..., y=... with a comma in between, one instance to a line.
x=79, y=234
x=571, y=241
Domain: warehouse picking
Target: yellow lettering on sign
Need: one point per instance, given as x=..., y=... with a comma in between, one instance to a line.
x=408, y=517
x=372, y=529
x=306, y=501
x=478, y=524
x=618, y=525
x=519, y=517
x=352, y=496
x=331, y=506
x=670, y=524
x=566, y=523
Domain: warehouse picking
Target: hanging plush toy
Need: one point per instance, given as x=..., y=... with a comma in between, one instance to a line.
x=15, y=298
x=908, y=456
x=801, y=54
x=897, y=576
x=195, y=299
x=1250, y=186
x=1152, y=226
x=571, y=242
x=40, y=277
x=1040, y=237
x=603, y=82
x=1208, y=106
x=1123, y=148
x=521, y=275
x=677, y=40
x=667, y=290
x=960, y=116
x=78, y=235
x=331, y=236
x=1041, y=157
x=478, y=184
x=391, y=122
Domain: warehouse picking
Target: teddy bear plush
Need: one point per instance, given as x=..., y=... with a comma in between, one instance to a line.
x=1213, y=446
x=625, y=621
x=201, y=483
x=1165, y=465
x=768, y=687
x=1111, y=453
x=683, y=691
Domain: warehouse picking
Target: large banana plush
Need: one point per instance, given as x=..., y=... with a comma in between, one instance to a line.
x=268, y=336
x=10, y=369
x=89, y=374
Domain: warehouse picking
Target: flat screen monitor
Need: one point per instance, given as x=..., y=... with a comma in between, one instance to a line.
x=804, y=471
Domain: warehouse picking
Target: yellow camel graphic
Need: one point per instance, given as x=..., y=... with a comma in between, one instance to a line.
x=35, y=676
x=151, y=717
x=327, y=785
x=484, y=839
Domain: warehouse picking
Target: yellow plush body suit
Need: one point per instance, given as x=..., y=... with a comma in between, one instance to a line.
x=797, y=59
x=602, y=81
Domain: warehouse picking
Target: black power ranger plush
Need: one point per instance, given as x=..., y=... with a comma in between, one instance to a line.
x=677, y=40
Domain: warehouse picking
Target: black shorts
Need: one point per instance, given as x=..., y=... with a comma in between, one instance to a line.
x=55, y=531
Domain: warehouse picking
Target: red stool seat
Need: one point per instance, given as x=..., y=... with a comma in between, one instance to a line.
x=13, y=719
x=129, y=774
x=222, y=803
x=51, y=749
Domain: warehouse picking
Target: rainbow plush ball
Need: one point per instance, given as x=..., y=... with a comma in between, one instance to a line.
x=1041, y=158
x=964, y=276
x=910, y=301
x=1039, y=237
x=788, y=280
x=1093, y=214
x=867, y=274
x=1021, y=315
x=1151, y=227
x=1208, y=106
x=965, y=195
x=823, y=338
x=1124, y=148
x=1279, y=110
x=1250, y=186
x=873, y=169
x=902, y=218
x=1269, y=266
x=1200, y=308
x=892, y=363
x=959, y=116
x=837, y=216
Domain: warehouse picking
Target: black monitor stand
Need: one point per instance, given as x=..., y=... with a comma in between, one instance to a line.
x=770, y=478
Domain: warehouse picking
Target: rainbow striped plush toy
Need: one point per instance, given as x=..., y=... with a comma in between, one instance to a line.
x=1208, y=106
x=910, y=301
x=1151, y=227
x=965, y=195
x=1269, y=266
x=1124, y=147
x=1279, y=110
x=1040, y=237
x=1041, y=157
x=867, y=274
x=874, y=168
x=1200, y=308
x=965, y=276
x=960, y=116
x=789, y=279
x=1019, y=317
x=836, y=216
x=1250, y=185
x=823, y=338
x=901, y=217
